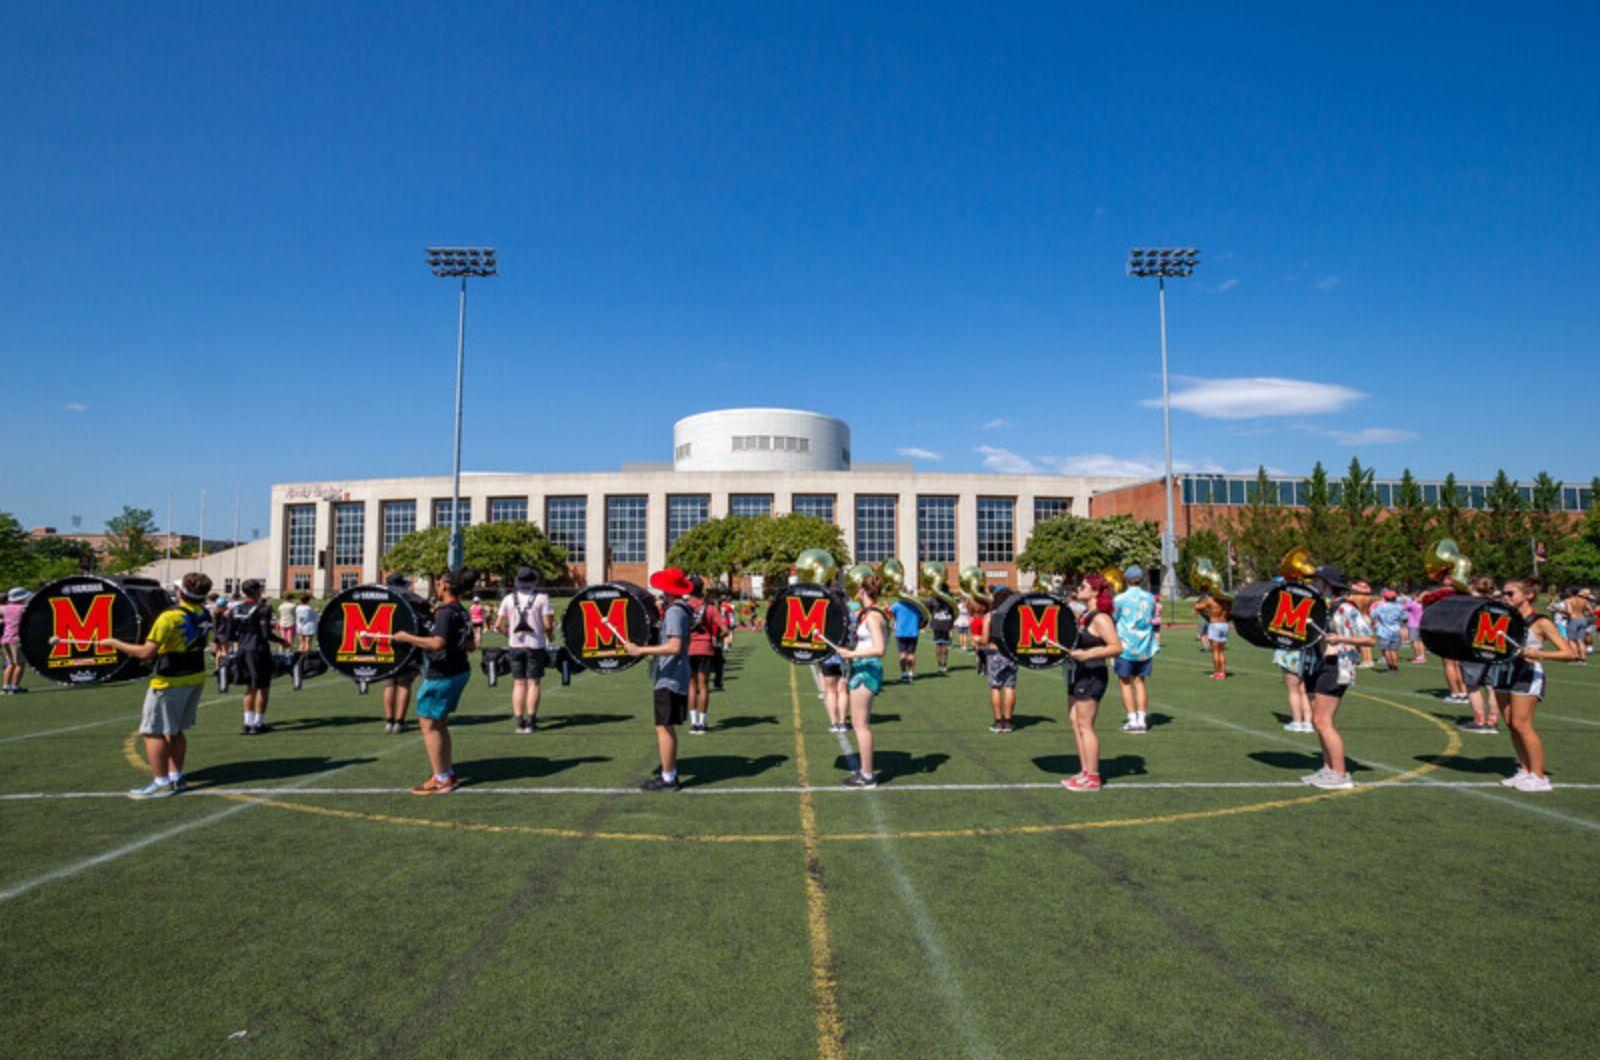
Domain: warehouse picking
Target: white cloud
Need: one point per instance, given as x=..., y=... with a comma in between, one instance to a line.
x=911, y=452
x=1243, y=399
x=1004, y=460
x=995, y=424
x=1328, y=283
x=1365, y=436
x=77, y=406
x=1227, y=285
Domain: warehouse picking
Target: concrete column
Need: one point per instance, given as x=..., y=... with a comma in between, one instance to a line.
x=536, y=514
x=276, y=533
x=655, y=541
x=595, y=538
x=844, y=513
x=905, y=533
x=1023, y=520
x=966, y=530
x=371, y=540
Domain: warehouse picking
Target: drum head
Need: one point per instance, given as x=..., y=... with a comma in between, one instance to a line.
x=590, y=625
x=354, y=633
x=800, y=618
x=1472, y=629
x=1277, y=615
x=1024, y=625
x=64, y=622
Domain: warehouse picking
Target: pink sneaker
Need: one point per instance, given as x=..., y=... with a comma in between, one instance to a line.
x=1082, y=782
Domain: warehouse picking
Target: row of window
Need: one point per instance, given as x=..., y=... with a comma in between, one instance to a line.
x=1228, y=489
x=627, y=521
x=782, y=443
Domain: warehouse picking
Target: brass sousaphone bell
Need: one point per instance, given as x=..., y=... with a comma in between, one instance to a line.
x=1206, y=576
x=1297, y=565
x=974, y=586
x=1115, y=580
x=1444, y=562
x=815, y=566
x=854, y=577
x=893, y=573
x=931, y=583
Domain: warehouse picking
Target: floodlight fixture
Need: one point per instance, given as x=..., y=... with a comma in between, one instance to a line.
x=463, y=261
x=1162, y=261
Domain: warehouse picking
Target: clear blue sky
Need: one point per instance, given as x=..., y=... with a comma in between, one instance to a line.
x=913, y=217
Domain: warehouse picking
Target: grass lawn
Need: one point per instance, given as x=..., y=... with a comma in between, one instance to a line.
x=300, y=902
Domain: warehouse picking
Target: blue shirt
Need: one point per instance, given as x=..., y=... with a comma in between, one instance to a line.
x=1388, y=616
x=1134, y=611
x=907, y=620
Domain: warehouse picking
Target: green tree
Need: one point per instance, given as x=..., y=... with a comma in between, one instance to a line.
x=1359, y=551
x=1452, y=521
x=1207, y=543
x=130, y=540
x=500, y=548
x=1502, y=548
x=16, y=563
x=59, y=557
x=1407, y=533
x=1317, y=524
x=1261, y=532
x=1547, y=523
x=421, y=553
x=1578, y=562
x=768, y=546
x=1070, y=545
x=711, y=549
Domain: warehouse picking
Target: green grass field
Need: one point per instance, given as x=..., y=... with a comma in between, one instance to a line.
x=1204, y=903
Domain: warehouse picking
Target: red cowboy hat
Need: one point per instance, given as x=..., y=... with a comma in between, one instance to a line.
x=671, y=581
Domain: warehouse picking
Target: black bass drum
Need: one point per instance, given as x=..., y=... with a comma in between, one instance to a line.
x=64, y=623
x=355, y=630
x=802, y=618
x=1024, y=626
x=1473, y=629
x=597, y=614
x=1286, y=615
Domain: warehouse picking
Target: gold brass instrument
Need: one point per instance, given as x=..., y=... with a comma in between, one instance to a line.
x=1444, y=562
x=893, y=573
x=1206, y=576
x=815, y=566
x=931, y=581
x=854, y=577
x=974, y=587
x=1114, y=579
x=1297, y=565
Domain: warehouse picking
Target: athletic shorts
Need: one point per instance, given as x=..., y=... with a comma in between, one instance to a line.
x=255, y=670
x=1389, y=642
x=1087, y=682
x=868, y=674
x=702, y=664
x=1001, y=671
x=1477, y=674
x=672, y=708
x=1127, y=669
x=169, y=711
x=1155, y=627
x=1217, y=632
x=441, y=695
x=941, y=640
x=406, y=676
x=908, y=645
x=1325, y=682
x=12, y=652
x=832, y=666
x=527, y=664
x=1524, y=679
x=1577, y=628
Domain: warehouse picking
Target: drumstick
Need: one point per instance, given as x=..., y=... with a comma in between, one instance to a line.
x=74, y=643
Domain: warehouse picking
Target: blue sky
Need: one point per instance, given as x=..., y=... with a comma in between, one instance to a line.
x=914, y=217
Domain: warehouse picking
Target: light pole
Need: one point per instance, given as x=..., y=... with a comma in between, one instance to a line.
x=1162, y=262
x=462, y=262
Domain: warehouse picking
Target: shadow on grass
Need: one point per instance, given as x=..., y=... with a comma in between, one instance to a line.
x=1155, y=717
x=1069, y=766
x=889, y=764
x=883, y=719
x=708, y=769
x=1499, y=765
x=746, y=721
x=483, y=770
x=578, y=721
x=301, y=724
x=267, y=769
x=1300, y=761
x=1028, y=721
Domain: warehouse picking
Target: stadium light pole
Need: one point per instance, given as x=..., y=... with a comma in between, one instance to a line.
x=1162, y=262
x=463, y=262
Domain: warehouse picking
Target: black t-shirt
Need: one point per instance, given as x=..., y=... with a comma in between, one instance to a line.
x=250, y=625
x=451, y=622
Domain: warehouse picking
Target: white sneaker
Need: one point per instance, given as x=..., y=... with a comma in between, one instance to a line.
x=1314, y=778
x=1292, y=726
x=1532, y=782
x=1514, y=779
x=1132, y=726
x=1331, y=781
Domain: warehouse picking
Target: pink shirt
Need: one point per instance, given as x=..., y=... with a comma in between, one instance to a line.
x=12, y=615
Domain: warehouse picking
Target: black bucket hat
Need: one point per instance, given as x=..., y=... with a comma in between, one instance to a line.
x=527, y=578
x=1334, y=577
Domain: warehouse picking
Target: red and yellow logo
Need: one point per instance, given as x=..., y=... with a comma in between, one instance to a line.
x=600, y=631
x=1037, y=627
x=367, y=636
x=1491, y=632
x=1291, y=615
x=77, y=633
x=803, y=621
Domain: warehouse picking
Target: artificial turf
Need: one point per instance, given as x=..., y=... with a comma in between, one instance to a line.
x=1404, y=919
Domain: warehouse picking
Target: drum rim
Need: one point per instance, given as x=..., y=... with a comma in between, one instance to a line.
x=635, y=591
x=783, y=593
x=1009, y=604
x=401, y=661
x=105, y=675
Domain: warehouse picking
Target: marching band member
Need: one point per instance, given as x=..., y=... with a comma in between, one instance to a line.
x=253, y=634
x=1522, y=693
x=397, y=689
x=1000, y=671
x=1214, y=622
x=526, y=618
x=671, y=689
x=1331, y=666
x=907, y=626
x=703, y=637
x=445, y=675
x=866, y=675
x=11, y=638
x=1134, y=612
x=1478, y=678
x=1087, y=677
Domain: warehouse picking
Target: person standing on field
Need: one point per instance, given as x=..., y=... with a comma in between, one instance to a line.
x=11, y=638
x=703, y=637
x=671, y=691
x=1388, y=618
x=253, y=636
x=446, y=671
x=527, y=620
x=397, y=689
x=305, y=623
x=1134, y=612
x=286, y=608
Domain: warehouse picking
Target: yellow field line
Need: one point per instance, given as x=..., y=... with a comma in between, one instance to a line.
x=824, y=979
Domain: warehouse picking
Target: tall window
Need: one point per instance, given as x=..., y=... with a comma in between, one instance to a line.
x=1047, y=508
x=399, y=519
x=996, y=529
x=936, y=529
x=874, y=528
x=626, y=523
x=750, y=504
x=684, y=513
x=302, y=535
x=566, y=521
x=508, y=509
x=817, y=504
x=349, y=533
x=441, y=512
x=349, y=580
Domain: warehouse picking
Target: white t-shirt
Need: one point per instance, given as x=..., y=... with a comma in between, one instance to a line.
x=305, y=620
x=533, y=609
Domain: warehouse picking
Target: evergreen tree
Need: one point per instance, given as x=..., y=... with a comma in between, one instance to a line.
x=1502, y=543
x=1407, y=533
x=130, y=540
x=1547, y=524
x=1317, y=524
x=1261, y=532
x=1358, y=548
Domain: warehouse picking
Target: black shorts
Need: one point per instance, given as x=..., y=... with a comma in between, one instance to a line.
x=702, y=664
x=1325, y=682
x=407, y=675
x=1088, y=682
x=832, y=666
x=527, y=664
x=908, y=645
x=255, y=670
x=672, y=708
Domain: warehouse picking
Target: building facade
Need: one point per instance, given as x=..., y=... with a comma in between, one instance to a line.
x=620, y=524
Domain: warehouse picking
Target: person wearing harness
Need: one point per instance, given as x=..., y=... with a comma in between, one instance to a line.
x=1000, y=671
x=175, y=647
x=397, y=689
x=527, y=621
x=1523, y=687
x=671, y=692
x=253, y=634
x=866, y=676
x=1088, y=676
x=1329, y=669
x=703, y=636
x=445, y=676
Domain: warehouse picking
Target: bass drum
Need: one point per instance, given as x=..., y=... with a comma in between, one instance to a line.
x=64, y=622
x=495, y=663
x=1277, y=615
x=591, y=622
x=1473, y=629
x=802, y=618
x=354, y=633
x=1025, y=623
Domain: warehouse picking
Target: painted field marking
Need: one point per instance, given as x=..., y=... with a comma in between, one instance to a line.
x=124, y=718
x=824, y=974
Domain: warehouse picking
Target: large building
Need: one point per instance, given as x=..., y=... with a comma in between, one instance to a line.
x=620, y=524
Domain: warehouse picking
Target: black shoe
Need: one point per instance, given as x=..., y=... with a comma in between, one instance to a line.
x=655, y=783
x=856, y=780
x=533, y=724
x=263, y=728
x=247, y=730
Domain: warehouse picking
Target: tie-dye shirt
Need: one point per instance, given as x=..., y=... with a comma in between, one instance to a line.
x=1134, y=611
